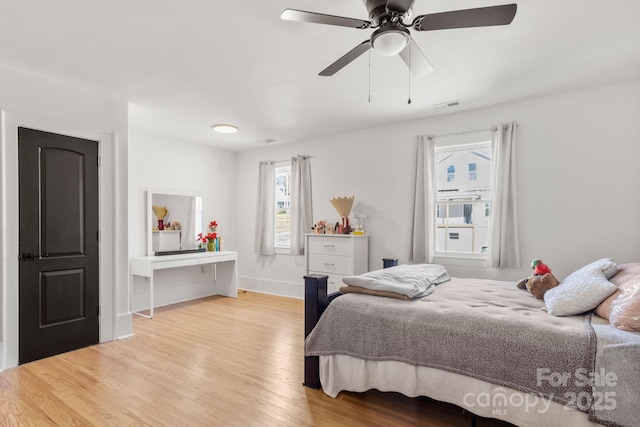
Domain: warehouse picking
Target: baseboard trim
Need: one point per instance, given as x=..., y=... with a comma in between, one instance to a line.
x=272, y=287
x=1, y=356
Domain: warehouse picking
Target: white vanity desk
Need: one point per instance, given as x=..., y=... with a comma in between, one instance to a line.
x=146, y=265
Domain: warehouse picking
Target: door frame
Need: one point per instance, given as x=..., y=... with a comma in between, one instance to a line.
x=9, y=221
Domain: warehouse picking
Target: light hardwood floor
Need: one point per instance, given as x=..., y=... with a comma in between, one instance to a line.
x=211, y=362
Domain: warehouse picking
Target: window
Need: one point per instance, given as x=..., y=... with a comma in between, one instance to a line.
x=451, y=173
x=473, y=171
x=283, y=205
x=485, y=223
x=463, y=203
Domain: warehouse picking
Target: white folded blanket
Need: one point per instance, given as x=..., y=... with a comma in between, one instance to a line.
x=414, y=281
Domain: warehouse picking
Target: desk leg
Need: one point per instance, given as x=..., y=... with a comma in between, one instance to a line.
x=151, y=296
x=227, y=285
x=150, y=316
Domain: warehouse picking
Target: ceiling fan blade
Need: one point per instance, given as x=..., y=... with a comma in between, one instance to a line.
x=416, y=60
x=319, y=18
x=399, y=6
x=480, y=17
x=346, y=59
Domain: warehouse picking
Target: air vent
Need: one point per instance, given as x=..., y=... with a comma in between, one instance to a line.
x=446, y=104
x=266, y=141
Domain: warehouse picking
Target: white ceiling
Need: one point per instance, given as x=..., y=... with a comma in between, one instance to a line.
x=185, y=65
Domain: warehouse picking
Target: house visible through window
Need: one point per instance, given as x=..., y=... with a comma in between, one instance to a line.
x=463, y=202
x=283, y=205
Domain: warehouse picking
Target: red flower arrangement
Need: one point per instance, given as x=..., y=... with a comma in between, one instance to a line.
x=209, y=237
x=203, y=240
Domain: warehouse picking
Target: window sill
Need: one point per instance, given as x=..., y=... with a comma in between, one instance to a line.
x=464, y=260
x=283, y=251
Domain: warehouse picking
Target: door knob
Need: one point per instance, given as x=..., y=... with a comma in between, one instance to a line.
x=30, y=255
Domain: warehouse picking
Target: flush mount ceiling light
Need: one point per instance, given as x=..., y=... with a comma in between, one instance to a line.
x=225, y=128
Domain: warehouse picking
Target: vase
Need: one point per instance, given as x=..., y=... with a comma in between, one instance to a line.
x=160, y=224
x=211, y=245
x=345, y=227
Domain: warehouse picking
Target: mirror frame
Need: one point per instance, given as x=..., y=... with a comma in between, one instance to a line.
x=149, y=215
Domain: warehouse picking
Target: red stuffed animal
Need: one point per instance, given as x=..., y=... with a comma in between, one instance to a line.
x=539, y=268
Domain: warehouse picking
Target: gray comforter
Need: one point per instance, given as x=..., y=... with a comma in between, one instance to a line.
x=483, y=329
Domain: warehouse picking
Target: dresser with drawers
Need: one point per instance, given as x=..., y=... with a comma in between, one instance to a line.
x=336, y=255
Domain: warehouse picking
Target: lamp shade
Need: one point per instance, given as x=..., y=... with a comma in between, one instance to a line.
x=390, y=41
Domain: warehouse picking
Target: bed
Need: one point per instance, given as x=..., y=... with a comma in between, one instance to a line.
x=483, y=345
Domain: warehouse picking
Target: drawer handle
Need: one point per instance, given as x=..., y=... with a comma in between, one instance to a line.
x=329, y=246
x=327, y=264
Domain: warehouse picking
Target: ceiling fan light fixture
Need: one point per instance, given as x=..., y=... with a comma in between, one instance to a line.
x=390, y=41
x=225, y=128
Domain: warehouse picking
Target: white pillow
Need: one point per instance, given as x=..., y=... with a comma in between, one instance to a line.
x=582, y=290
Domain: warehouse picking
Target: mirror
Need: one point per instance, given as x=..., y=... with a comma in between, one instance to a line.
x=184, y=208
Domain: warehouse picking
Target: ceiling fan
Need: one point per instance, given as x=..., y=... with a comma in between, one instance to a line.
x=392, y=35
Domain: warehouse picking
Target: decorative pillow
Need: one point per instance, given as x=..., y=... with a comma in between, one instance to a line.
x=609, y=268
x=626, y=277
x=582, y=290
x=625, y=272
x=625, y=310
x=604, y=308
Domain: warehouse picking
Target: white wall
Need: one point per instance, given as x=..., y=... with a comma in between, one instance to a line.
x=47, y=104
x=576, y=181
x=577, y=184
x=159, y=163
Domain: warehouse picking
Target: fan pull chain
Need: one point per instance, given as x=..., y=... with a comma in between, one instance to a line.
x=369, y=76
x=409, y=100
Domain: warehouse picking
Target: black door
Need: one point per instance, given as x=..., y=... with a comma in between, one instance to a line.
x=59, y=286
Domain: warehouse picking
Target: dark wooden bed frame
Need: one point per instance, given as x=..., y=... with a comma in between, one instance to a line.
x=316, y=301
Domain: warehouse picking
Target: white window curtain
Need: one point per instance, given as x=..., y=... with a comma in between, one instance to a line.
x=503, y=227
x=301, y=205
x=265, y=215
x=422, y=247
